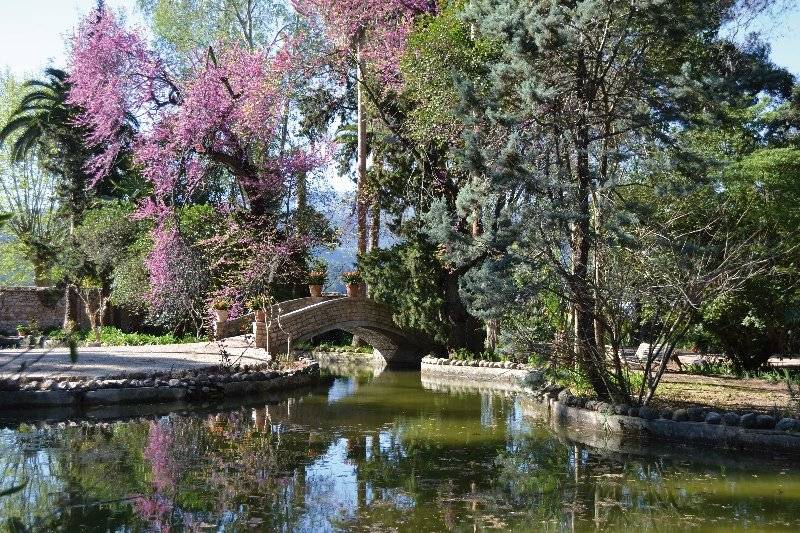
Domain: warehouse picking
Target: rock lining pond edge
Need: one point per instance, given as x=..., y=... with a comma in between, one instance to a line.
x=194, y=385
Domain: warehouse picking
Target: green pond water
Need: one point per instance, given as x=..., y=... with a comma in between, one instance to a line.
x=365, y=452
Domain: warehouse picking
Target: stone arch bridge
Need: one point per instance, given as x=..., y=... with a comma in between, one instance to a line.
x=294, y=321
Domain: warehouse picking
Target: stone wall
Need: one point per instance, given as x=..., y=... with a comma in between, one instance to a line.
x=19, y=305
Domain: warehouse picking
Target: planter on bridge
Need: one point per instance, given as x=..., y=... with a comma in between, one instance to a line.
x=221, y=309
x=317, y=278
x=315, y=291
x=356, y=288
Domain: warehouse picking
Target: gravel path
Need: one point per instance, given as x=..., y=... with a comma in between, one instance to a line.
x=112, y=360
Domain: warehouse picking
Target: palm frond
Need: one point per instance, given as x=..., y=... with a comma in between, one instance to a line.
x=15, y=125
x=26, y=142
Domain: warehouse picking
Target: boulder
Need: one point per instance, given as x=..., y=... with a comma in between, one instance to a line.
x=564, y=396
x=621, y=409
x=788, y=424
x=648, y=413
x=666, y=414
x=605, y=408
x=633, y=411
x=174, y=382
x=730, y=419
x=748, y=421
x=765, y=422
x=680, y=415
x=713, y=418
x=696, y=414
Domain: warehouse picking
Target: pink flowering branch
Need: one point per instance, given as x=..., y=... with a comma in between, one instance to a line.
x=384, y=26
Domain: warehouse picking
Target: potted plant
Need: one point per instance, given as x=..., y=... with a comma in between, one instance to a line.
x=354, y=283
x=258, y=304
x=221, y=308
x=317, y=276
x=23, y=330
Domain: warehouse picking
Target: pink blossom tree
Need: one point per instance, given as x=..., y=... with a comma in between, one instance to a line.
x=225, y=112
x=221, y=115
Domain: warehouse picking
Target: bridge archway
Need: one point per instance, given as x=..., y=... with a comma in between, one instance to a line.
x=302, y=320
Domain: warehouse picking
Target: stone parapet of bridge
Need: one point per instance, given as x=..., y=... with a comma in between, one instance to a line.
x=299, y=320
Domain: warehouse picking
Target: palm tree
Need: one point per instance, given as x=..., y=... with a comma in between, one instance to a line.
x=45, y=122
x=41, y=111
x=43, y=128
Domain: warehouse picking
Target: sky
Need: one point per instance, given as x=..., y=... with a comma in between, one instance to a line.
x=32, y=32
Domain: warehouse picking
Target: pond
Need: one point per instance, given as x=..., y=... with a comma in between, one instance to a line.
x=366, y=452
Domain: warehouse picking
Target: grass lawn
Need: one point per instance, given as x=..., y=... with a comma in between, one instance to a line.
x=725, y=393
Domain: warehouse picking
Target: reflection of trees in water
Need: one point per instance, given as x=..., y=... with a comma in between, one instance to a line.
x=564, y=487
x=413, y=461
x=70, y=476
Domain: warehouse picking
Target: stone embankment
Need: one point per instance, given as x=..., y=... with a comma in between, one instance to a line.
x=210, y=383
x=585, y=417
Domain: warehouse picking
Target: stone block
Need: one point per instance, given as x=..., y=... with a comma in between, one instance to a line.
x=748, y=421
x=730, y=419
x=696, y=414
x=765, y=422
x=680, y=415
x=648, y=413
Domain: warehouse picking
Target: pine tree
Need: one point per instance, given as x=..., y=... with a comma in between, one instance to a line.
x=580, y=91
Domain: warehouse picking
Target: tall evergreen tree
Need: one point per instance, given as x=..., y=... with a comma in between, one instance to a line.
x=580, y=91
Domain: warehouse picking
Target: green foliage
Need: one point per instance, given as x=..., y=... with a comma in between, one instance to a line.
x=107, y=234
x=329, y=347
x=463, y=354
x=317, y=272
x=724, y=368
x=353, y=276
x=407, y=277
x=15, y=269
x=441, y=50
x=571, y=379
x=221, y=304
x=111, y=336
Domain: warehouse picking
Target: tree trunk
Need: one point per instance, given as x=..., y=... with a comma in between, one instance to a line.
x=586, y=349
x=492, y=334
x=465, y=329
x=302, y=204
x=70, y=316
x=361, y=164
x=375, y=225
x=590, y=361
x=40, y=275
x=361, y=200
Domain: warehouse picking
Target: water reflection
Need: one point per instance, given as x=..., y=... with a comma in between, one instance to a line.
x=371, y=451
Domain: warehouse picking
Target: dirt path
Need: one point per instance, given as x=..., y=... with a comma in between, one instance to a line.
x=105, y=361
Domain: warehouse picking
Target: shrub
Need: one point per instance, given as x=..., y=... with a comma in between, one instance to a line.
x=111, y=336
x=221, y=304
x=353, y=276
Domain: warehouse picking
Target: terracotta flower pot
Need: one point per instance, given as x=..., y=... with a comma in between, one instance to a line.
x=354, y=290
x=221, y=315
x=315, y=290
